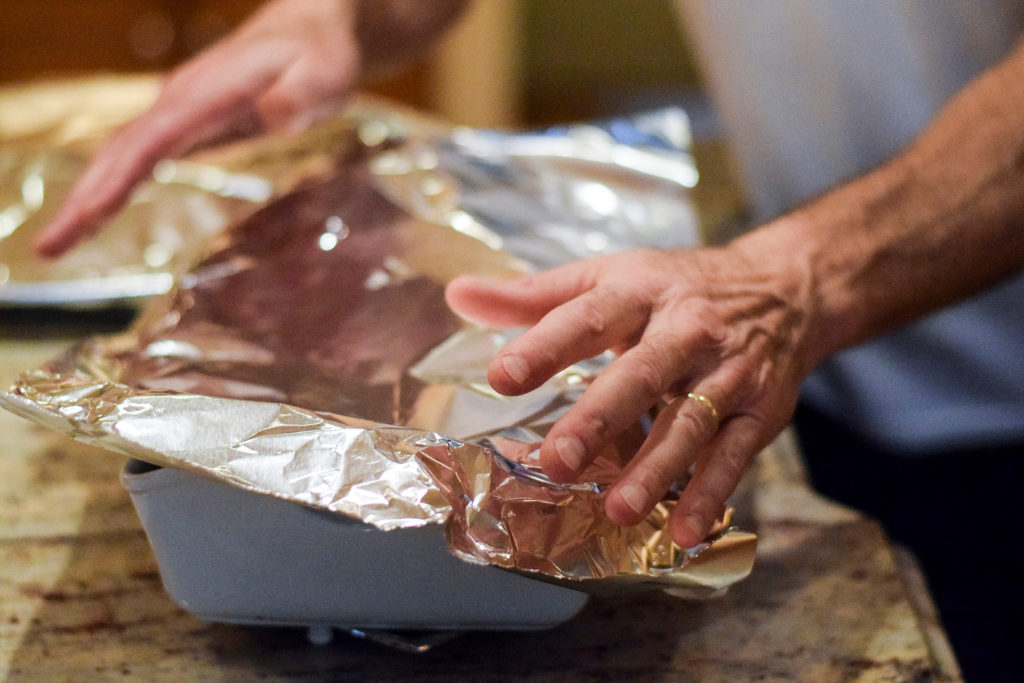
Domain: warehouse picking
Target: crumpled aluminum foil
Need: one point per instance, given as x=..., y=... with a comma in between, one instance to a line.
x=309, y=355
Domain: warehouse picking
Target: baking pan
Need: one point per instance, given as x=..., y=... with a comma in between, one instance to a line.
x=229, y=555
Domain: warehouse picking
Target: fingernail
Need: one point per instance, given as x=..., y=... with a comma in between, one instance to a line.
x=516, y=367
x=570, y=452
x=635, y=497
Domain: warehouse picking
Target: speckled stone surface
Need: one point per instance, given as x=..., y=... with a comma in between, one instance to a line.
x=81, y=599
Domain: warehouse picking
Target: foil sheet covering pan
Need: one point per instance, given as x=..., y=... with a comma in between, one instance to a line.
x=309, y=354
x=49, y=130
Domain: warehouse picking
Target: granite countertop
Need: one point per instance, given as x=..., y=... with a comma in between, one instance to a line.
x=830, y=599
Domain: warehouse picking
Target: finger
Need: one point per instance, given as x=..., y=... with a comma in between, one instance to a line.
x=309, y=89
x=719, y=473
x=519, y=301
x=678, y=436
x=616, y=399
x=103, y=186
x=195, y=106
x=580, y=328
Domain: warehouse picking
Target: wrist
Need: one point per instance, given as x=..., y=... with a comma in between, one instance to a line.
x=787, y=252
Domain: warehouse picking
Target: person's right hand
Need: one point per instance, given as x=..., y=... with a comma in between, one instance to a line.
x=294, y=61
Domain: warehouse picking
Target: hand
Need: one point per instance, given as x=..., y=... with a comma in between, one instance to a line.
x=713, y=322
x=292, y=62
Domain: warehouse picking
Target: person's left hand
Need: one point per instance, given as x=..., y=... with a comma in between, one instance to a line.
x=716, y=323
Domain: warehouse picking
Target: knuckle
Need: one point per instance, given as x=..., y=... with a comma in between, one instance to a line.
x=591, y=428
x=660, y=475
x=530, y=281
x=648, y=371
x=545, y=358
x=705, y=321
x=690, y=423
x=705, y=507
x=731, y=466
x=645, y=255
x=590, y=316
x=598, y=425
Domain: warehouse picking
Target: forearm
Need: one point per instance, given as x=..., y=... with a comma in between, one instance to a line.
x=940, y=222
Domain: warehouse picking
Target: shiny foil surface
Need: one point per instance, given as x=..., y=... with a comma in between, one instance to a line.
x=308, y=353
x=48, y=131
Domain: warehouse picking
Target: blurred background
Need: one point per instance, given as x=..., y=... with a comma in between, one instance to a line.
x=508, y=63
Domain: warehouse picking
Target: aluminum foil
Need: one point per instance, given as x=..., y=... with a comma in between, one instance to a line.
x=309, y=354
x=49, y=130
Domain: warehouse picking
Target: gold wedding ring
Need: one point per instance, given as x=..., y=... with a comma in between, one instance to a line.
x=706, y=402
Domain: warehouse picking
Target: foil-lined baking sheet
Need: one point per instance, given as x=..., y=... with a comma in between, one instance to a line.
x=49, y=130
x=309, y=354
